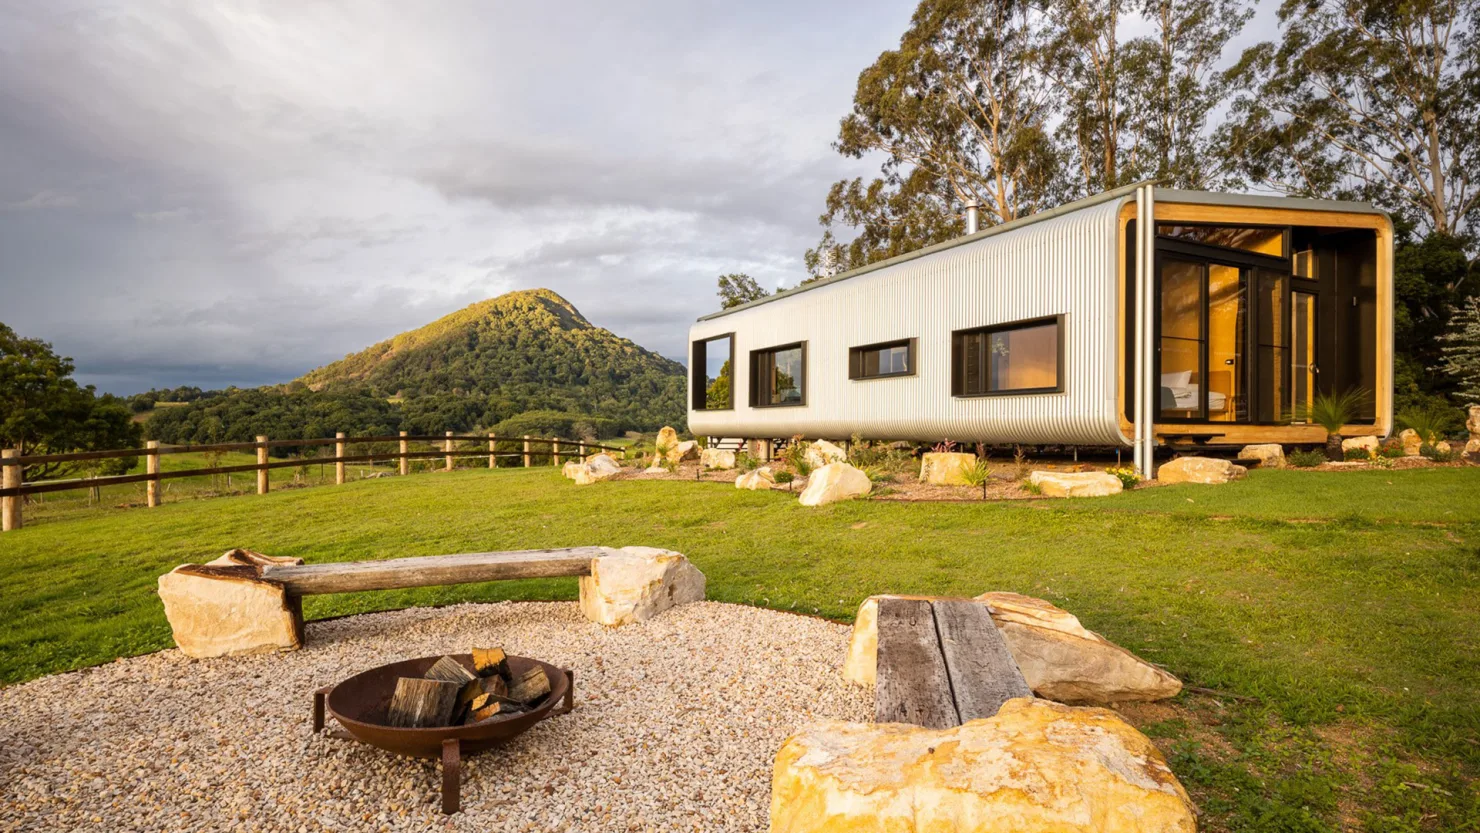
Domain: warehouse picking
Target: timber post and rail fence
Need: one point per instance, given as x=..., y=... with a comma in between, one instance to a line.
x=13, y=488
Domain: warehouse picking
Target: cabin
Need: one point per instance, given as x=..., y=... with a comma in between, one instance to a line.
x=1142, y=318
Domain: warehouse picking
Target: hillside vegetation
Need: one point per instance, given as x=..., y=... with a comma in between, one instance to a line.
x=527, y=360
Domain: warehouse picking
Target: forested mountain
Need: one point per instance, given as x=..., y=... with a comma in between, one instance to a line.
x=524, y=362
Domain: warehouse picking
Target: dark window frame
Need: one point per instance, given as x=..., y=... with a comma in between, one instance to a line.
x=699, y=373
x=958, y=375
x=756, y=377
x=855, y=359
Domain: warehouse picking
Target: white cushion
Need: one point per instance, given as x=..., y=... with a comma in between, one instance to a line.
x=1176, y=380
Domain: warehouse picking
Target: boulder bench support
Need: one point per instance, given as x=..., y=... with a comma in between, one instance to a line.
x=245, y=602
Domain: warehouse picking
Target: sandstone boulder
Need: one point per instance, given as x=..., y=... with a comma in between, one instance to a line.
x=714, y=458
x=1076, y=484
x=759, y=480
x=821, y=453
x=634, y=584
x=1035, y=767
x=1472, y=450
x=1064, y=661
x=1472, y=422
x=1412, y=442
x=834, y=482
x=686, y=450
x=1369, y=444
x=1264, y=455
x=946, y=468
x=667, y=440
x=1443, y=447
x=223, y=608
x=1209, y=470
x=598, y=468
x=1060, y=658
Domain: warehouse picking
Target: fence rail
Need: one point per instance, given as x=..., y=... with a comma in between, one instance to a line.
x=13, y=489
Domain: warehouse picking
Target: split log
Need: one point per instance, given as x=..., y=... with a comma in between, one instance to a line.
x=489, y=661
x=422, y=704
x=531, y=686
x=493, y=707
x=450, y=670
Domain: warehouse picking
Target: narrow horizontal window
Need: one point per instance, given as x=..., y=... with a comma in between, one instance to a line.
x=713, y=366
x=877, y=361
x=1022, y=357
x=1265, y=240
x=778, y=376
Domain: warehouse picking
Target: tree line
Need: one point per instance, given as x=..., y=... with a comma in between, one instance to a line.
x=1022, y=105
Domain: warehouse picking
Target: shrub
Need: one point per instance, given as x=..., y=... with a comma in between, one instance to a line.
x=1430, y=423
x=977, y=473
x=1391, y=450
x=1128, y=476
x=1031, y=488
x=1306, y=459
x=1356, y=454
x=1020, y=463
x=745, y=462
x=795, y=455
x=1435, y=454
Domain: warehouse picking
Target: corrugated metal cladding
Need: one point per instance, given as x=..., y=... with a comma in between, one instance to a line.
x=1061, y=266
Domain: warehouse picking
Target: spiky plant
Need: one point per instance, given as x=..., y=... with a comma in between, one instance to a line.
x=1332, y=412
x=1431, y=423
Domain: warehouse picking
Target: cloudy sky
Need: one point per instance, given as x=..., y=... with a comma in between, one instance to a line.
x=233, y=193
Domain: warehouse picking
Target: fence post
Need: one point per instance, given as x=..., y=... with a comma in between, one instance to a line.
x=447, y=449
x=339, y=454
x=581, y=449
x=526, y=451
x=261, y=465
x=405, y=449
x=555, y=452
x=490, y=451
x=10, y=505
x=151, y=468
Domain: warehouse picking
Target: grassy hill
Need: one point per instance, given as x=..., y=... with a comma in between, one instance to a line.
x=524, y=362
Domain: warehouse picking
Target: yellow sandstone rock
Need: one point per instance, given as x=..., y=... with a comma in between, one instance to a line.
x=1034, y=767
x=946, y=468
x=222, y=608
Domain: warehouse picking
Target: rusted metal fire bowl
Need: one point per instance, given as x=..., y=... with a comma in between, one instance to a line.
x=360, y=704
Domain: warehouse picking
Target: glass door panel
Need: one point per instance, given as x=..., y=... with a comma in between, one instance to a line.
x=1182, y=338
x=1271, y=400
x=1302, y=353
x=1227, y=325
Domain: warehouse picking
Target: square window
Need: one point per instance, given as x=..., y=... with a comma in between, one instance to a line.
x=878, y=361
x=712, y=382
x=778, y=376
x=1023, y=357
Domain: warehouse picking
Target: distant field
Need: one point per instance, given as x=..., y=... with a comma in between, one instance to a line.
x=1333, y=616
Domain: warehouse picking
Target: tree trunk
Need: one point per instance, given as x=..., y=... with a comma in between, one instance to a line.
x=1333, y=448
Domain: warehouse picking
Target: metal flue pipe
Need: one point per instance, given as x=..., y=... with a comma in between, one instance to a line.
x=973, y=216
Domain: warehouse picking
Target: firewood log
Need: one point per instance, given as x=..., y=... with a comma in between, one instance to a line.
x=421, y=703
x=490, y=662
x=450, y=670
x=531, y=686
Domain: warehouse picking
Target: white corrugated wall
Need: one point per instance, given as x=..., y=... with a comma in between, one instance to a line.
x=1060, y=266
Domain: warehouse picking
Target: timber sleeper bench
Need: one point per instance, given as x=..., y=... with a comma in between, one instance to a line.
x=246, y=602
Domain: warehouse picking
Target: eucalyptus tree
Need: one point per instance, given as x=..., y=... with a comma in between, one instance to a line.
x=738, y=288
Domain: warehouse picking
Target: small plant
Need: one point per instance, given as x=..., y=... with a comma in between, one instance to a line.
x=1305, y=459
x=1333, y=412
x=745, y=462
x=1020, y=463
x=1127, y=475
x=1353, y=455
x=1430, y=423
x=1391, y=450
x=1435, y=454
x=785, y=477
x=944, y=447
x=1031, y=488
x=795, y=455
x=977, y=475
x=1382, y=462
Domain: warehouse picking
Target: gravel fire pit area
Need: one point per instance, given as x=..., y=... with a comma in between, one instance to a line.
x=676, y=725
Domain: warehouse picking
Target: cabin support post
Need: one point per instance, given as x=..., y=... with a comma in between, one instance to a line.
x=1145, y=441
x=10, y=478
x=404, y=450
x=262, y=484
x=339, y=455
x=151, y=468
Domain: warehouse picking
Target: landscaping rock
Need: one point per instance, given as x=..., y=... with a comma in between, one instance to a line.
x=1370, y=444
x=714, y=458
x=1264, y=455
x=1412, y=443
x=1060, y=658
x=1443, y=447
x=223, y=608
x=1035, y=766
x=1472, y=422
x=1472, y=450
x=1208, y=470
x=600, y=467
x=946, y=468
x=759, y=480
x=667, y=439
x=1064, y=661
x=1076, y=484
x=821, y=453
x=834, y=482
x=686, y=450
x=634, y=584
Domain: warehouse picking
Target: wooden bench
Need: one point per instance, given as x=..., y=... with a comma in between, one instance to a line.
x=941, y=663
x=431, y=570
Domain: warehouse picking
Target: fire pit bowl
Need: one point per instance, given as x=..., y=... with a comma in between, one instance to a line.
x=359, y=704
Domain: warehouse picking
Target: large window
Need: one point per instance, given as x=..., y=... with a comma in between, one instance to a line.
x=877, y=361
x=713, y=365
x=1023, y=357
x=778, y=376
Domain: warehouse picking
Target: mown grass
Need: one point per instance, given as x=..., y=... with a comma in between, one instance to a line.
x=1337, y=611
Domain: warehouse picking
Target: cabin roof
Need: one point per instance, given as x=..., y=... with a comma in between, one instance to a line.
x=1172, y=195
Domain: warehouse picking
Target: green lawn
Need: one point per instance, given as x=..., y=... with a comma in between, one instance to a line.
x=1337, y=611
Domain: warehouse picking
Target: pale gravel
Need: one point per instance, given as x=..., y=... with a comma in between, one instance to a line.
x=676, y=726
